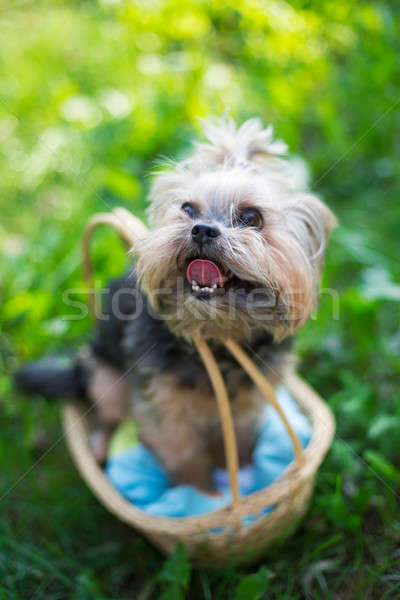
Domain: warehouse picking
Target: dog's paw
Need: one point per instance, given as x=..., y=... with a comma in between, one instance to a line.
x=98, y=442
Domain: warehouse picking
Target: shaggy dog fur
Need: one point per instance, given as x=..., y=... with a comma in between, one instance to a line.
x=231, y=216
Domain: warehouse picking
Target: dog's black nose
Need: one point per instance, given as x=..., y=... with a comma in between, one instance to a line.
x=204, y=233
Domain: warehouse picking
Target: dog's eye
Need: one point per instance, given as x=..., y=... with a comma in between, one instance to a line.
x=189, y=209
x=250, y=217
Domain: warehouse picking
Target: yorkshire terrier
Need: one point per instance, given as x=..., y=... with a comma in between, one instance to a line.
x=235, y=250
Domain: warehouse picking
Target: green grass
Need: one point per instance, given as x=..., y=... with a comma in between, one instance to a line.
x=91, y=93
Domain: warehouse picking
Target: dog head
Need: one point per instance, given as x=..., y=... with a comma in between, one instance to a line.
x=234, y=246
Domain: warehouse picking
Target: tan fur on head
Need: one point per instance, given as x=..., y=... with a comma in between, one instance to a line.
x=276, y=268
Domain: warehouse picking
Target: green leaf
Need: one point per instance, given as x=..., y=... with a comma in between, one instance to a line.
x=177, y=568
x=379, y=463
x=252, y=587
x=173, y=592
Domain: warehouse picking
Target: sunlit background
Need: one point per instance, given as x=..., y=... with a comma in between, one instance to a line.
x=91, y=94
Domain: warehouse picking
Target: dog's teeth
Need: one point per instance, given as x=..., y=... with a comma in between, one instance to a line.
x=204, y=288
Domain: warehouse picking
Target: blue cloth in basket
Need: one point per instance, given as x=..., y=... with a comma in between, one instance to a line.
x=139, y=477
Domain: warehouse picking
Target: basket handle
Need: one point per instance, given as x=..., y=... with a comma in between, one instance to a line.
x=225, y=413
x=268, y=392
x=129, y=227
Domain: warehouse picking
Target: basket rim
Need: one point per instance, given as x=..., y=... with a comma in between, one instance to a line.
x=323, y=428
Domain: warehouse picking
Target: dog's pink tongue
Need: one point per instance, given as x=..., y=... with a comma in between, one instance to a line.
x=204, y=272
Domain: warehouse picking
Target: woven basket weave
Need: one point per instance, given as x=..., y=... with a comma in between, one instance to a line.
x=217, y=538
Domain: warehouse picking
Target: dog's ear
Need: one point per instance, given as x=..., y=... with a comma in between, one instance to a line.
x=310, y=222
x=248, y=144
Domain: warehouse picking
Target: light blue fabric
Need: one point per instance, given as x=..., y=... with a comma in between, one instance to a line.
x=137, y=474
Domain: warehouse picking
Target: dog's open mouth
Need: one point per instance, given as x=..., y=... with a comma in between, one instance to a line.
x=206, y=278
x=210, y=279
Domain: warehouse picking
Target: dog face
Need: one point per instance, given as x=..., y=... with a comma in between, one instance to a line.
x=234, y=247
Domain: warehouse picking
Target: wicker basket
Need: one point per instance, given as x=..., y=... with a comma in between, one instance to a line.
x=217, y=538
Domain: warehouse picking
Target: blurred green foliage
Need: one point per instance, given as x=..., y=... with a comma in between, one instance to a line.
x=91, y=94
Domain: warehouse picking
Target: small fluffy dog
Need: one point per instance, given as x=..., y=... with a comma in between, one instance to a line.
x=235, y=250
